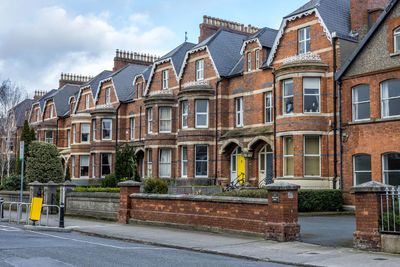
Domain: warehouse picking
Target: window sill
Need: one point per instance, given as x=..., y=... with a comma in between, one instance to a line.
x=397, y=118
x=395, y=54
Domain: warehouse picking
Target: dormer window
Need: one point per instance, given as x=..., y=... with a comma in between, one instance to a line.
x=199, y=69
x=396, y=36
x=165, y=79
x=51, y=111
x=87, y=101
x=304, y=41
x=37, y=115
x=108, y=94
x=257, y=59
x=248, y=61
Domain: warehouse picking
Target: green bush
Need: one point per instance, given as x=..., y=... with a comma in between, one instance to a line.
x=67, y=174
x=43, y=163
x=110, y=180
x=155, y=186
x=320, y=200
x=13, y=183
x=250, y=193
x=96, y=189
x=1, y=187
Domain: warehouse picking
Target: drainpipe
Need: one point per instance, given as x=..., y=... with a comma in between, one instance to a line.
x=57, y=132
x=334, y=39
x=216, y=132
x=340, y=135
x=140, y=123
x=116, y=127
x=274, y=110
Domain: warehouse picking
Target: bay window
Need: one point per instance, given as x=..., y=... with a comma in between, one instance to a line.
x=48, y=138
x=165, y=119
x=184, y=161
x=94, y=129
x=105, y=164
x=201, y=161
x=201, y=113
x=248, y=61
x=149, y=120
x=268, y=107
x=288, y=96
x=165, y=163
x=85, y=132
x=361, y=108
x=184, y=114
x=257, y=59
x=288, y=164
x=84, y=166
x=311, y=92
x=149, y=163
x=106, y=125
x=312, y=156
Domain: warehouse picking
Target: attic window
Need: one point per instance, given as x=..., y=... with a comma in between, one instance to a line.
x=396, y=36
x=199, y=69
x=165, y=79
x=108, y=93
x=87, y=101
x=257, y=59
x=304, y=41
x=248, y=61
x=51, y=111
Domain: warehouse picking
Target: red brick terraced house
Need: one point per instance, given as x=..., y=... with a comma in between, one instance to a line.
x=248, y=102
x=370, y=103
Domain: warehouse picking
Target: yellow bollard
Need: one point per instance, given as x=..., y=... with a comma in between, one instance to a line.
x=36, y=209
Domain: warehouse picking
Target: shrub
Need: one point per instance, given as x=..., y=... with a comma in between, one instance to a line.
x=96, y=189
x=109, y=181
x=2, y=187
x=250, y=193
x=67, y=174
x=155, y=186
x=27, y=135
x=43, y=163
x=13, y=183
x=125, y=163
x=320, y=200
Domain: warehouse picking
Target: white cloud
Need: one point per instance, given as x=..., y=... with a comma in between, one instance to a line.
x=40, y=43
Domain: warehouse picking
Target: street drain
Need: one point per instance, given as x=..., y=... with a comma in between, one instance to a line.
x=380, y=259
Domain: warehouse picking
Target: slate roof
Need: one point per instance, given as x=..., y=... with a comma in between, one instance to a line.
x=224, y=47
x=123, y=81
x=146, y=73
x=61, y=98
x=94, y=82
x=366, y=39
x=238, y=68
x=177, y=55
x=334, y=13
x=19, y=111
x=43, y=99
x=266, y=36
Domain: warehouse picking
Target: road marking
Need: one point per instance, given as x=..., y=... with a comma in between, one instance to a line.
x=96, y=243
x=9, y=228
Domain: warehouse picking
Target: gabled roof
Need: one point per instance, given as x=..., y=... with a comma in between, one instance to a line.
x=145, y=74
x=19, y=111
x=265, y=38
x=176, y=55
x=43, y=99
x=333, y=15
x=61, y=99
x=94, y=82
x=123, y=81
x=223, y=47
x=367, y=38
x=238, y=68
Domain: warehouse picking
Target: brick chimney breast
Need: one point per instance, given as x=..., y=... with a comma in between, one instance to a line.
x=68, y=78
x=123, y=58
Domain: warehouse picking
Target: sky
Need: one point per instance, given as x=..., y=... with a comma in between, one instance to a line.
x=39, y=39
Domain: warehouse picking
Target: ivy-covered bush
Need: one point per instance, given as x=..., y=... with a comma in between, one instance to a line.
x=155, y=186
x=43, y=163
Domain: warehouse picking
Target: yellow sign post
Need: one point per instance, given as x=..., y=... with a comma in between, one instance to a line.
x=36, y=209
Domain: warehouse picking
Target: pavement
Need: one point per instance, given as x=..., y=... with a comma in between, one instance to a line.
x=246, y=247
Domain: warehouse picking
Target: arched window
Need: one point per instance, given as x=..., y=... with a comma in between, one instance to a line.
x=390, y=98
x=391, y=168
x=362, y=168
x=396, y=36
x=361, y=102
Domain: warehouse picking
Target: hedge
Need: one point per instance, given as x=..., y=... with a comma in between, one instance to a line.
x=309, y=200
x=96, y=189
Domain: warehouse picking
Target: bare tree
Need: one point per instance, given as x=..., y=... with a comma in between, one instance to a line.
x=10, y=95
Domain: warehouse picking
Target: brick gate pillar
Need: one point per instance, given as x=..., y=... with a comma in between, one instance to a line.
x=126, y=188
x=282, y=219
x=367, y=204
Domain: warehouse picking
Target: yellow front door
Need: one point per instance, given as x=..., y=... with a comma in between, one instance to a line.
x=241, y=166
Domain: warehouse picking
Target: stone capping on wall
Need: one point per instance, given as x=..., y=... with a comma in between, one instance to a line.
x=93, y=195
x=129, y=183
x=238, y=200
x=282, y=185
x=371, y=186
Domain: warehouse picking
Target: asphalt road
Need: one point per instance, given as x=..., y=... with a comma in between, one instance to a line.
x=43, y=249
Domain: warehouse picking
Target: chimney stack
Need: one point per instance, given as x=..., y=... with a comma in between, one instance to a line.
x=39, y=94
x=123, y=58
x=68, y=78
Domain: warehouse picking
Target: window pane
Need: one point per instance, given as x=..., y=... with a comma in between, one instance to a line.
x=201, y=168
x=393, y=178
x=311, y=103
x=312, y=145
x=262, y=162
x=201, y=152
x=288, y=88
x=289, y=169
x=311, y=166
x=105, y=164
x=397, y=48
x=394, y=88
x=362, y=177
x=184, y=153
x=362, y=111
x=201, y=105
x=392, y=162
x=394, y=107
x=362, y=163
x=201, y=119
x=288, y=146
x=361, y=93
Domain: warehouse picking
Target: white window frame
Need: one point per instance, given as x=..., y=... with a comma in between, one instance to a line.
x=287, y=156
x=109, y=155
x=94, y=129
x=384, y=99
x=108, y=95
x=239, y=110
x=93, y=165
x=200, y=69
x=73, y=166
x=201, y=113
x=168, y=120
x=288, y=96
x=396, y=40
x=248, y=61
x=196, y=161
x=87, y=125
x=150, y=120
x=184, y=162
x=68, y=138
x=87, y=101
x=37, y=115
x=132, y=128
x=165, y=79
x=149, y=162
x=356, y=103
x=80, y=166
x=102, y=129
x=305, y=95
x=185, y=114
x=257, y=58
x=311, y=155
x=303, y=33
x=73, y=133
x=51, y=111
x=268, y=95
x=164, y=163
x=363, y=171
x=47, y=139
x=383, y=167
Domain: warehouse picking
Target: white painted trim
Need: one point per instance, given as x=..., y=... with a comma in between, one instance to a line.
x=249, y=42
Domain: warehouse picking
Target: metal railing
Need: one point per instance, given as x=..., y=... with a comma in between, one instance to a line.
x=390, y=211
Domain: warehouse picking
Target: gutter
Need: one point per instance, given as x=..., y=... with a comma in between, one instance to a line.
x=216, y=132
